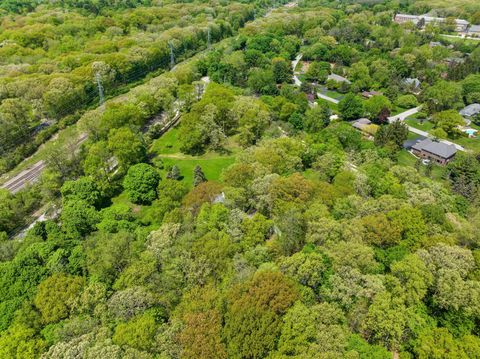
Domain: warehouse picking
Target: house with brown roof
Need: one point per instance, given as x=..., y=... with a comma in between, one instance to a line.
x=434, y=151
x=369, y=94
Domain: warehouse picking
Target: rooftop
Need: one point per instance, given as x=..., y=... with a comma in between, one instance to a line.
x=371, y=93
x=412, y=81
x=470, y=110
x=338, y=78
x=431, y=18
x=436, y=148
x=361, y=123
x=474, y=29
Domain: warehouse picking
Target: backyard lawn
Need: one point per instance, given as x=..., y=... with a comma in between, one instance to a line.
x=472, y=144
x=405, y=158
x=397, y=110
x=334, y=94
x=412, y=136
x=332, y=106
x=424, y=126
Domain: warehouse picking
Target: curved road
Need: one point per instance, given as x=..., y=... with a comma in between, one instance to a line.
x=404, y=115
x=298, y=82
x=400, y=117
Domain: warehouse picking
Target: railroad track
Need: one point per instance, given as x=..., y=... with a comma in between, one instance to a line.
x=32, y=174
x=25, y=177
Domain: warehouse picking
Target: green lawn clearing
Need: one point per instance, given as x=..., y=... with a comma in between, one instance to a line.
x=472, y=144
x=424, y=126
x=405, y=158
x=212, y=167
x=167, y=148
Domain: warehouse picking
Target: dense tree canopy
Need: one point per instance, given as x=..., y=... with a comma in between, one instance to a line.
x=218, y=208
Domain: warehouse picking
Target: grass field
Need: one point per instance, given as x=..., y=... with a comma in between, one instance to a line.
x=472, y=144
x=168, y=149
x=452, y=40
x=405, y=158
x=397, y=110
x=425, y=126
x=332, y=106
x=412, y=136
x=212, y=167
x=334, y=94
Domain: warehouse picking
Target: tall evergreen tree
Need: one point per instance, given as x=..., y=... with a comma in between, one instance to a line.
x=174, y=173
x=198, y=176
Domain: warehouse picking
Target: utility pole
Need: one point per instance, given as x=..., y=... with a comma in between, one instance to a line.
x=172, y=55
x=101, y=94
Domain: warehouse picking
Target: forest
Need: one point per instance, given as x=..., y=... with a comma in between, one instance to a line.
x=207, y=191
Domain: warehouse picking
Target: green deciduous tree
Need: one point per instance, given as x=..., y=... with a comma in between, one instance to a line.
x=317, y=117
x=377, y=107
x=127, y=147
x=392, y=135
x=443, y=96
x=254, y=314
x=55, y=296
x=448, y=121
x=79, y=218
x=20, y=342
x=309, y=269
x=351, y=107
x=309, y=332
x=318, y=71
x=386, y=321
x=141, y=183
x=282, y=70
x=84, y=189
x=138, y=333
x=414, y=277
x=262, y=82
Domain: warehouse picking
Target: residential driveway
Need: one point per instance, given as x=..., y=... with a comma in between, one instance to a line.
x=298, y=83
x=402, y=116
x=295, y=62
x=327, y=98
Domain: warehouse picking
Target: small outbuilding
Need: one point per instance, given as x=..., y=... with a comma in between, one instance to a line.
x=361, y=123
x=369, y=94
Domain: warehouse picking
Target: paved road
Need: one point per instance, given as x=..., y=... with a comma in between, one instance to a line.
x=298, y=83
x=327, y=98
x=402, y=116
x=29, y=175
x=295, y=62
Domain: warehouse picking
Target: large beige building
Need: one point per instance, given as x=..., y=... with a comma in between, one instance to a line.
x=461, y=25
